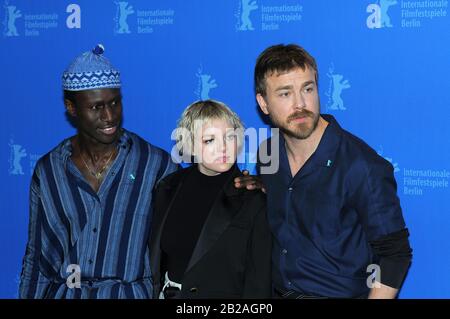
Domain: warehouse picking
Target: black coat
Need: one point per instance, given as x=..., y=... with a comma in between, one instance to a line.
x=232, y=257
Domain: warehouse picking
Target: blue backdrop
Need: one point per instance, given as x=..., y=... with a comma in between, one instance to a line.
x=384, y=74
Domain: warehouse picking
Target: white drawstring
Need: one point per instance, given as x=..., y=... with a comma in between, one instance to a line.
x=168, y=283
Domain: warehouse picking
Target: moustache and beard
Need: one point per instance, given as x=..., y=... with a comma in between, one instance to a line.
x=297, y=130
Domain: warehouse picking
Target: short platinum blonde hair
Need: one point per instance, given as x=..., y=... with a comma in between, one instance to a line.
x=203, y=112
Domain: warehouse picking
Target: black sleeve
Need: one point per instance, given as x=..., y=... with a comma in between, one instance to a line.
x=395, y=256
x=258, y=270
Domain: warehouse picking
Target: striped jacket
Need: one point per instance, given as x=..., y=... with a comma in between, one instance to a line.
x=83, y=244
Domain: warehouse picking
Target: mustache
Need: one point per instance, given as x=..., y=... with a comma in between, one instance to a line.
x=297, y=114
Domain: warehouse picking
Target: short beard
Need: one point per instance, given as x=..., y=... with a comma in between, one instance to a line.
x=301, y=132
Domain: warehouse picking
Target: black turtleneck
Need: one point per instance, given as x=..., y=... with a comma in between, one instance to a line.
x=186, y=218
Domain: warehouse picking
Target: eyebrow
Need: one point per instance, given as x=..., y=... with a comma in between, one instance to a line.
x=228, y=132
x=281, y=88
x=308, y=83
x=289, y=87
x=116, y=98
x=101, y=101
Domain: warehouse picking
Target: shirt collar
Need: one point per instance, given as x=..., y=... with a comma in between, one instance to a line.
x=325, y=153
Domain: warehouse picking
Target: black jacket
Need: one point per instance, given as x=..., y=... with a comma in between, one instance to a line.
x=232, y=257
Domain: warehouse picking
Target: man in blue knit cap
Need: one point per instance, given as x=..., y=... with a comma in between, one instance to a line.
x=90, y=197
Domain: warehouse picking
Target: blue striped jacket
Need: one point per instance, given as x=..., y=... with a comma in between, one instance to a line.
x=102, y=235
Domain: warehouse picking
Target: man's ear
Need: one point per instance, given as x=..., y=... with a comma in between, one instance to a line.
x=262, y=103
x=70, y=107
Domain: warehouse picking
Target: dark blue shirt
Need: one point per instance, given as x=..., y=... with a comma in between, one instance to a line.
x=105, y=233
x=324, y=217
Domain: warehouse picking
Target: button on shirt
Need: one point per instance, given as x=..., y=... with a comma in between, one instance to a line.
x=105, y=234
x=324, y=217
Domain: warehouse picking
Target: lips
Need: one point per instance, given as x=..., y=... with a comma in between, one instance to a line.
x=301, y=119
x=298, y=118
x=223, y=159
x=109, y=130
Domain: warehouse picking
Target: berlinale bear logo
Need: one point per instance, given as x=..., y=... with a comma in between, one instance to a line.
x=205, y=84
x=12, y=15
x=379, y=17
x=243, y=15
x=17, y=153
x=337, y=85
x=124, y=10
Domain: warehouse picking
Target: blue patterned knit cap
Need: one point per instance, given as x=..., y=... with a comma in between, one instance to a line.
x=89, y=71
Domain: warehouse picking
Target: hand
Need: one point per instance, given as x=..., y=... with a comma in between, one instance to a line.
x=251, y=182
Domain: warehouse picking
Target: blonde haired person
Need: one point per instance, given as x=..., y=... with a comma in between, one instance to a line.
x=208, y=238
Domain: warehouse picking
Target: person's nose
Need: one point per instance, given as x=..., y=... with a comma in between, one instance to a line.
x=222, y=146
x=299, y=101
x=107, y=114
